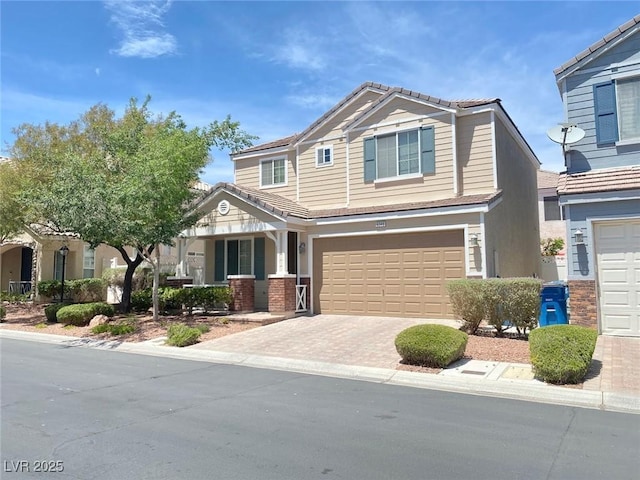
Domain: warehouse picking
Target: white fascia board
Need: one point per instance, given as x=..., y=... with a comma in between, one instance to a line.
x=364, y=233
x=592, y=56
x=237, y=229
x=392, y=97
x=598, y=197
x=271, y=152
x=431, y=212
x=339, y=110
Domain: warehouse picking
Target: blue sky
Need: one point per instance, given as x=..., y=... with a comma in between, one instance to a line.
x=277, y=66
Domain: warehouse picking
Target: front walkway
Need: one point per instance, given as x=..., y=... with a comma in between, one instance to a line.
x=343, y=339
x=615, y=366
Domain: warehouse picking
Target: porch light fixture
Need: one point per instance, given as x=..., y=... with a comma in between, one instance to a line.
x=64, y=251
x=579, y=237
x=302, y=247
x=473, y=240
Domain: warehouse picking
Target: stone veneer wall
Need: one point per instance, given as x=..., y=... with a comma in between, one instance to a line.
x=282, y=293
x=244, y=293
x=583, y=303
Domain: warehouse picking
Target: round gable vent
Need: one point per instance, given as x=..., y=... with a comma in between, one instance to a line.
x=223, y=207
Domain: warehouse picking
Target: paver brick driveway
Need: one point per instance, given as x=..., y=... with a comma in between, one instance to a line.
x=345, y=339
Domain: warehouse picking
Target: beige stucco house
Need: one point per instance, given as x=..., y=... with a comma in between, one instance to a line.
x=374, y=207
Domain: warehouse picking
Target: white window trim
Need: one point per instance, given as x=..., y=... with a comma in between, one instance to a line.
x=274, y=185
x=399, y=176
x=85, y=250
x=624, y=76
x=323, y=148
x=226, y=255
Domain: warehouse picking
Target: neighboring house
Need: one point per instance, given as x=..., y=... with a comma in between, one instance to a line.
x=374, y=207
x=552, y=225
x=600, y=191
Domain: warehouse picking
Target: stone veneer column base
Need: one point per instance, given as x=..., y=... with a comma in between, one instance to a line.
x=583, y=303
x=282, y=293
x=243, y=288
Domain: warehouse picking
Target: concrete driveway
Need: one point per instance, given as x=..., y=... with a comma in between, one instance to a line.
x=344, y=339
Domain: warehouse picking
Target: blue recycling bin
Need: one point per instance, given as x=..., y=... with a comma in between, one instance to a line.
x=553, y=304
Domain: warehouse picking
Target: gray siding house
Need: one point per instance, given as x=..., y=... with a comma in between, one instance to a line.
x=600, y=190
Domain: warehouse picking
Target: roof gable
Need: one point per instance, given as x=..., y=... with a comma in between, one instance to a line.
x=603, y=45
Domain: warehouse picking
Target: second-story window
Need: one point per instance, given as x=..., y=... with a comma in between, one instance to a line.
x=398, y=154
x=273, y=172
x=617, y=111
x=324, y=155
x=629, y=108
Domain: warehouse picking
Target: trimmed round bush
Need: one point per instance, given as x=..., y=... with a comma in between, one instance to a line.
x=141, y=300
x=81, y=314
x=562, y=354
x=431, y=345
x=181, y=335
x=51, y=311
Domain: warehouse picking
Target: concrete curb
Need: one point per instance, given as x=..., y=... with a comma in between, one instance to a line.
x=526, y=390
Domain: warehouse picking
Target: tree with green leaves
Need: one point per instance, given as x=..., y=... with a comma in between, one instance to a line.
x=12, y=212
x=124, y=182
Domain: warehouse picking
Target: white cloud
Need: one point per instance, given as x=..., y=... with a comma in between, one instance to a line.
x=97, y=70
x=313, y=100
x=300, y=50
x=142, y=28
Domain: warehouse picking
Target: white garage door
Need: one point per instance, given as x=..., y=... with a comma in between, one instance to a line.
x=390, y=275
x=618, y=260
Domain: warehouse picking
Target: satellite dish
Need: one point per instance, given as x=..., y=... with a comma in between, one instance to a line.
x=565, y=134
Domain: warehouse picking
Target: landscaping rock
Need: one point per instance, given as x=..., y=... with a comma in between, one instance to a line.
x=98, y=320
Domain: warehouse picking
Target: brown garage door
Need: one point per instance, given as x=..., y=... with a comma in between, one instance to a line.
x=395, y=275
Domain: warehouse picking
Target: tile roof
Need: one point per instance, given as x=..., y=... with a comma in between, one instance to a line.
x=600, y=45
x=285, y=207
x=462, y=201
x=387, y=92
x=609, y=180
x=547, y=179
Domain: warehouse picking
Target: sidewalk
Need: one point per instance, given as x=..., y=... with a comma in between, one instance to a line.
x=329, y=345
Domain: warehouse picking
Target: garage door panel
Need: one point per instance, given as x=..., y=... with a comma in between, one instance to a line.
x=617, y=247
x=391, y=275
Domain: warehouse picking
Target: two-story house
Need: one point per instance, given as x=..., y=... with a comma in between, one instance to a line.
x=600, y=191
x=374, y=207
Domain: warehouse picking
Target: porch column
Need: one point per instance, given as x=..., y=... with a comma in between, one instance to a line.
x=181, y=270
x=282, y=253
x=243, y=288
x=282, y=293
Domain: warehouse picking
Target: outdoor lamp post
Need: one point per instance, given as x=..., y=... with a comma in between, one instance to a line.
x=64, y=250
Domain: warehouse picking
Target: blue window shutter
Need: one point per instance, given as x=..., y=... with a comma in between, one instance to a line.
x=219, y=261
x=427, y=150
x=369, y=159
x=233, y=259
x=604, y=100
x=258, y=258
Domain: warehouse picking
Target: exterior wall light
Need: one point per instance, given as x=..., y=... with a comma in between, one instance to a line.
x=473, y=240
x=302, y=248
x=579, y=237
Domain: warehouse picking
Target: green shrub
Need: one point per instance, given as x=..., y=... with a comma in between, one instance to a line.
x=87, y=289
x=203, y=328
x=466, y=297
x=562, y=353
x=51, y=311
x=169, y=298
x=431, y=345
x=521, y=302
x=81, y=314
x=181, y=335
x=12, y=297
x=3, y=312
x=51, y=288
x=141, y=300
x=114, y=328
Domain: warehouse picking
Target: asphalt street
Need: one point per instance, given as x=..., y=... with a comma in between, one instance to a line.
x=97, y=414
